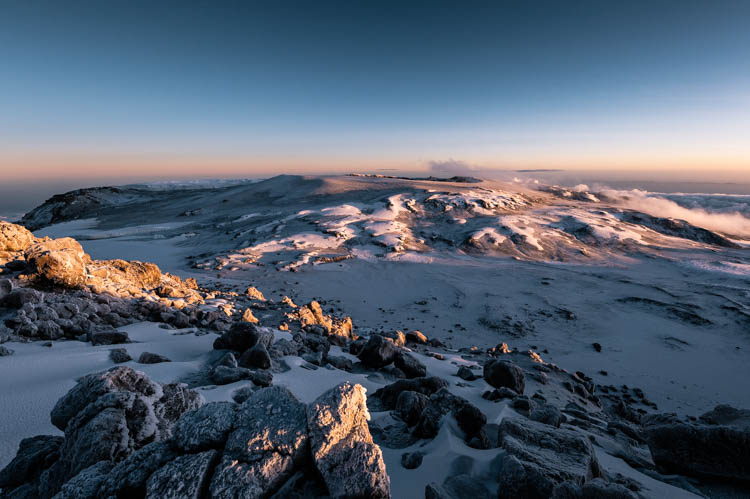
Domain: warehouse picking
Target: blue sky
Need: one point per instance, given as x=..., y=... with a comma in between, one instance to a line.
x=226, y=88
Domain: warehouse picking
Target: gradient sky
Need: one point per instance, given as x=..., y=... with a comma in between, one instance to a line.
x=115, y=88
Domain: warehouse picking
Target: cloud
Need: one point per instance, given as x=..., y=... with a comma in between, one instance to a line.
x=450, y=166
x=727, y=222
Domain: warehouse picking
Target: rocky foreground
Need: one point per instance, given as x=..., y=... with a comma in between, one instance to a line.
x=126, y=435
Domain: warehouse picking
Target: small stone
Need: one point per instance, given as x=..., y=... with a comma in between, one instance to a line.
x=503, y=373
x=109, y=338
x=119, y=355
x=256, y=357
x=152, y=358
x=411, y=460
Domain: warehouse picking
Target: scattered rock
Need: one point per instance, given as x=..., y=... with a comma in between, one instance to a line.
x=21, y=296
x=119, y=355
x=377, y=352
x=109, y=338
x=241, y=337
x=256, y=357
x=5, y=351
x=411, y=460
x=152, y=358
x=416, y=337
x=503, y=373
x=426, y=386
x=597, y=347
x=466, y=374
x=248, y=316
x=254, y=294
x=410, y=366
x=409, y=406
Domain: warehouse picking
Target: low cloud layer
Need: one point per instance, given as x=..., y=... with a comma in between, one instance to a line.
x=727, y=222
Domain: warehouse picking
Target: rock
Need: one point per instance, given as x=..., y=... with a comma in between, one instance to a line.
x=499, y=394
x=503, y=373
x=119, y=355
x=204, y=428
x=538, y=457
x=35, y=454
x=267, y=447
x=598, y=488
x=398, y=337
x=426, y=386
x=466, y=374
x=283, y=348
x=254, y=294
x=547, y=414
x=459, y=486
x=128, y=477
x=107, y=416
x=241, y=337
x=14, y=238
x=469, y=418
x=186, y=477
x=242, y=394
x=597, y=347
x=377, y=352
x=6, y=286
x=85, y=485
x=340, y=362
x=411, y=460
x=21, y=296
x=342, y=448
x=248, y=316
x=356, y=346
x=416, y=337
x=256, y=357
x=109, y=338
x=152, y=358
x=228, y=360
x=409, y=406
x=699, y=449
x=5, y=351
x=411, y=367
x=222, y=375
x=59, y=261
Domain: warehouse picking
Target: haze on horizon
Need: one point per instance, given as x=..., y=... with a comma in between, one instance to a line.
x=179, y=89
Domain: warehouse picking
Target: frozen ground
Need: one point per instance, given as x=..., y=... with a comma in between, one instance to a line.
x=475, y=264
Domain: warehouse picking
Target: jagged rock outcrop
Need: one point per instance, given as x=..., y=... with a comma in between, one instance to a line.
x=342, y=447
x=311, y=318
x=538, y=457
x=127, y=436
x=105, y=417
x=718, y=446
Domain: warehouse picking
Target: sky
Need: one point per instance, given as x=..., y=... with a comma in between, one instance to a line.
x=116, y=90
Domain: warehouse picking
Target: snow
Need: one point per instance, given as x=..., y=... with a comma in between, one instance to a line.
x=580, y=275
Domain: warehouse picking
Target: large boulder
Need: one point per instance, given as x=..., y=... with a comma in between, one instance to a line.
x=503, y=373
x=350, y=463
x=14, y=238
x=537, y=457
x=59, y=261
x=267, y=447
x=106, y=417
x=717, y=447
